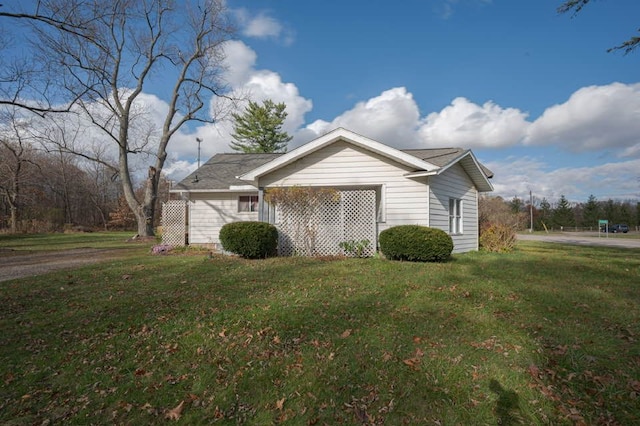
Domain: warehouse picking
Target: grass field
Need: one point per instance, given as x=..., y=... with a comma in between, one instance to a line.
x=547, y=334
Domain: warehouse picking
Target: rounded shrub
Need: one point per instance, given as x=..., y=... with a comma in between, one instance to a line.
x=251, y=240
x=415, y=243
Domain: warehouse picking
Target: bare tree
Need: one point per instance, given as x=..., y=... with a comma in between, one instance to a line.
x=98, y=59
x=17, y=165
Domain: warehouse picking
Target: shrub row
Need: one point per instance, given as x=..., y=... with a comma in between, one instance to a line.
x=416, y=243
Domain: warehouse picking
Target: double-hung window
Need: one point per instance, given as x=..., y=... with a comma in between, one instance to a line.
x=455, y=216
x=248, y=203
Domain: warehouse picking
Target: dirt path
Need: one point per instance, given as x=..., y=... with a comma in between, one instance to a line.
x=15, y=264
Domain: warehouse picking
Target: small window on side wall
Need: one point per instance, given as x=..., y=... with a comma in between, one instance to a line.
x=247, y=203
x=455, y=216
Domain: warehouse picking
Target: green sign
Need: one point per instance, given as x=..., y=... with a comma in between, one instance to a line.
x=603, y=222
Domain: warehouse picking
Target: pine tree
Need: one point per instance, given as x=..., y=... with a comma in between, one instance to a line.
x=563, y=213
x=544, y=217
x=591, y=212
x=259, y=128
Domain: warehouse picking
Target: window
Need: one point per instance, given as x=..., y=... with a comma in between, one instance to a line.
x=455, y=216
x=248, y=203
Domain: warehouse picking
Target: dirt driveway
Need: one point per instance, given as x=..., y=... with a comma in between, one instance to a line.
x=15, y=264
x=585, y=239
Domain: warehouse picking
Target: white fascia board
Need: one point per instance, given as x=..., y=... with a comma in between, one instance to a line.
x=422, y=174
x=242, y=188
x=329, y=138
x=199, y=191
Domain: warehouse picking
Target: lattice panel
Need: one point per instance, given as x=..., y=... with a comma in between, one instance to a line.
x=174, y=221
x=319, y=232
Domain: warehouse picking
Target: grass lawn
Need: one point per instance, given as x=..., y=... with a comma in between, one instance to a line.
x=547, y=334
x=50, y=242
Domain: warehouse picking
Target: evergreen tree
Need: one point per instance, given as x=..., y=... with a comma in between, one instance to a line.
x=591, y=212
x=259, y=128
x=544, y=217
x=563, y=213
x=516, y=205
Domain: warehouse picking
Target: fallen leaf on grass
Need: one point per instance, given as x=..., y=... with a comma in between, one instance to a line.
x=280, y=404
x=346, y=333
x=414, y=362
x=8, y=379
x=176, y=413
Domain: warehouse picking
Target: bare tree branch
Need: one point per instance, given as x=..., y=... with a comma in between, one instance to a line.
x=576, y=6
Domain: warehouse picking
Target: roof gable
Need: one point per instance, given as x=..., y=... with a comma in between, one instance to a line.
x=339, y=134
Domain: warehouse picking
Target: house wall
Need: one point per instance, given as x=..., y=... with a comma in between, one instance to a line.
x=211, y=211
x=455, y=183
x=340, y=164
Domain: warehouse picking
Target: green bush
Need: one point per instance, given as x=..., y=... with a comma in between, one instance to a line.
x=415, y=243
x=252, y=240
x=497, y=237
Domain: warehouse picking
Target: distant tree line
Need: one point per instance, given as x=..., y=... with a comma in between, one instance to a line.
x=45, y=191
x=561, y=214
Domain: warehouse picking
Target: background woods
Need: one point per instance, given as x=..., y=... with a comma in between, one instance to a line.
x=558, y=214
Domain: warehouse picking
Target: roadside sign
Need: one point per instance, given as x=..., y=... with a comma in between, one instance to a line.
x=603, y=223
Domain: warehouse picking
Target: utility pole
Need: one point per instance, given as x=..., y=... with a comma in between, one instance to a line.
x=199, y=142
x=531, y=210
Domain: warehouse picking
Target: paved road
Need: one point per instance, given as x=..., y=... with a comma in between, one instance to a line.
x=585, y=239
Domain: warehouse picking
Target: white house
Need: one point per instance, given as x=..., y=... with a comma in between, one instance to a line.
x=380, y=187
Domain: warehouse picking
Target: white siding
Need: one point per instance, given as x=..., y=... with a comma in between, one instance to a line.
x=455, y=183
x=209, y=212
x=343, y=165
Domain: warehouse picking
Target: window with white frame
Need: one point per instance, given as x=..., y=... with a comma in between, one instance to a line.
x=248, y=203
x=455, y=216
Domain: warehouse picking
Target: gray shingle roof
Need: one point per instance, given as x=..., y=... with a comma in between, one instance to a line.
x=442, y=156
x=221, y=170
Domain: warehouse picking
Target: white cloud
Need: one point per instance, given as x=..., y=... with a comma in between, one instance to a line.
x=262, y=26
x=259, y=85
x=516, y=176
x=469, y=125
x=593, y=118
x=240, y=60
x=390, y=117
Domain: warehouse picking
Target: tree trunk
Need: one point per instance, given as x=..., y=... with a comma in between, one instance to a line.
x=146, y=213
x=14, y=219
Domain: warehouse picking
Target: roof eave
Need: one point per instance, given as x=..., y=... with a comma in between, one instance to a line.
x=479, y=178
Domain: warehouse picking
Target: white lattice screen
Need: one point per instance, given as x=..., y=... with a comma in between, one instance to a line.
x=319, y=233
x=174, y=218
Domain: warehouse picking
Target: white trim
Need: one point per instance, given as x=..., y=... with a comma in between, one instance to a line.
x=329, y=138
x=211, y=191
x=242, y=188
x=456, y=218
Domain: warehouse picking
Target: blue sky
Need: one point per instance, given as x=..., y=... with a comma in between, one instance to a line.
x=534, y=93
